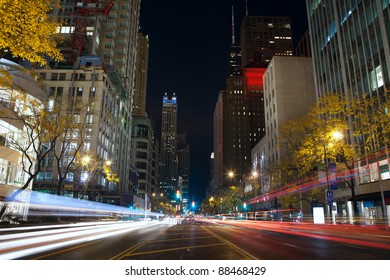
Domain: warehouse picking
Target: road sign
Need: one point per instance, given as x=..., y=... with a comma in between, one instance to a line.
x=329, y=197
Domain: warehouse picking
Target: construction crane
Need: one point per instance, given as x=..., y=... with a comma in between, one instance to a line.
x=85, y=9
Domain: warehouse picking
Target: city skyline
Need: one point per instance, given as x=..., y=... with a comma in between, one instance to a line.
x=189, y=48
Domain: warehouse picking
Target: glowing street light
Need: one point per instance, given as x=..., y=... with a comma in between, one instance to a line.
x=337, y=135
x=255, y=174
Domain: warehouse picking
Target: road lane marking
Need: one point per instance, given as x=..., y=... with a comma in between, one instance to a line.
x=356, y=247
x=173, y=249
x=134, y=247
x=244, y=253
x=175, y=239
x=66, y=250
x=290, y=245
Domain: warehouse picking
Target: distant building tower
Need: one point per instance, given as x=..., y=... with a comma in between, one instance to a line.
x=243, y=120
x=240, y=125
x=265, y=36
x=218, y=174
x=234, y=53
x=141, y=75
x=168, y=155
x=183, y=155
x=303, y=47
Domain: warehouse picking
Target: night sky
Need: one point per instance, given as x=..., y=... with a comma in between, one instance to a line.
x=188, y=55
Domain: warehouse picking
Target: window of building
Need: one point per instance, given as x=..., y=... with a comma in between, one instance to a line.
x=62, y=77
x=142, y=145
x=54, y=76
x=376, y=78
x=141, y=155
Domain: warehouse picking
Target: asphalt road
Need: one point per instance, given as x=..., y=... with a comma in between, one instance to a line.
x=204, y=240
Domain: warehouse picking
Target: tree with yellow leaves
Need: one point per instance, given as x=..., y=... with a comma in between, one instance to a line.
x=27, y=31
x=311, y=139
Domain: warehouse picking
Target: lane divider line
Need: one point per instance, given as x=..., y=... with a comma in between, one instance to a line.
x=244, y=253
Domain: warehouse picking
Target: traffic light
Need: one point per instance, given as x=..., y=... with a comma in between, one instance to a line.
x=177, y=194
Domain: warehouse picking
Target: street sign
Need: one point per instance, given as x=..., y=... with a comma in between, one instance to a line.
x=329, y=197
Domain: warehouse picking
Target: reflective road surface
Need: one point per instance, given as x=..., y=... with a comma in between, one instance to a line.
x=202, y=239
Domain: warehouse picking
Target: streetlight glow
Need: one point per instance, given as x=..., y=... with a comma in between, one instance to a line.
x=337, y=135
x=86, y=159
x=255, y=174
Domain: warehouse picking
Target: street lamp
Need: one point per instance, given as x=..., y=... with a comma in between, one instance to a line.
x=334, y=135
x=89, y=165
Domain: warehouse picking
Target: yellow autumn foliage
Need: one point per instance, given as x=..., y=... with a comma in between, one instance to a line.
x=27, y=31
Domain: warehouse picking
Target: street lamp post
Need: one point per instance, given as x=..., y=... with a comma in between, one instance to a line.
x=335, y=135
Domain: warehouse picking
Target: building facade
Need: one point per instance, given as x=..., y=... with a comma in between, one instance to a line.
x=14, y=139
x=218, y=174
x=183, y=168
x=351, y=55
x=289, y=94
x=265, y=37
x=141, y=75
x=99, y=48
x=144, y=155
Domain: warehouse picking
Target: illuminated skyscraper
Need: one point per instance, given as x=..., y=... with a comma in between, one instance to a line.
x=168, y=171
x=265, y=36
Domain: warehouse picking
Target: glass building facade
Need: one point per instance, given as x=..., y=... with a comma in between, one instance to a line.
x=351, y=55
x=350, y=44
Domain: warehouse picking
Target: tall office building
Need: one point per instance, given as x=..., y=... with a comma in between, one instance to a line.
x=168, y=172
x=351, y=55
x=99, y=47
x=243, y=120
x=141, y=75
x=265, y=37
x=144, y=156
x=242, y=123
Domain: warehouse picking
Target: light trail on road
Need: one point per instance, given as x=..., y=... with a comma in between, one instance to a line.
x=46, y=238
x=374, y=237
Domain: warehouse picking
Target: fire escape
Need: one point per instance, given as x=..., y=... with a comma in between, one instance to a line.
x=84, y=10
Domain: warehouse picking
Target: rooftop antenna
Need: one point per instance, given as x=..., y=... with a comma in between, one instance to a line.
x=246, y=7
x=233, y=36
